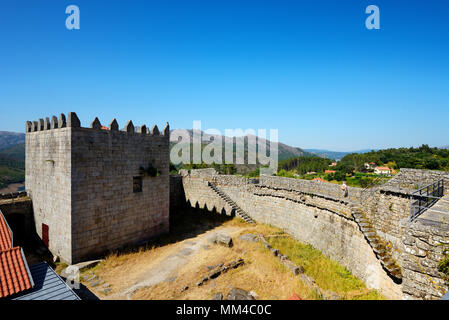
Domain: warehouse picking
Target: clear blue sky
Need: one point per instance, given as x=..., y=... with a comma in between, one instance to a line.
x=309, y=68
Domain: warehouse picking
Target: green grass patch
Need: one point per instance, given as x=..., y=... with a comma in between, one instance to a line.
x=328, y=274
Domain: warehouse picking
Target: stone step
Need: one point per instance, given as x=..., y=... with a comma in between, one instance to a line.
x=388, y=262
x=367, y=230
x=365, y=224
x=377, y=246
x=233, y=205
x=370, y=234
x=397, y=273
x=380, y=253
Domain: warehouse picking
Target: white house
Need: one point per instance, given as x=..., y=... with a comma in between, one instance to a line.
x=382, y=170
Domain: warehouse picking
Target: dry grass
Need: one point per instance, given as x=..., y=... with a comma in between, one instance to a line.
x=262, y=272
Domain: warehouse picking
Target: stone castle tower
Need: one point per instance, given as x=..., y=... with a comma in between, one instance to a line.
x=96, y=189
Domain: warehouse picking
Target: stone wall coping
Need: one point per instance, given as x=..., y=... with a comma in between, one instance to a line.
x=74, y=122
x=12, y=195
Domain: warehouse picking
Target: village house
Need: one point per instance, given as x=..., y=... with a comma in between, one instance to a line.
x=370, y=166
x=382, y=170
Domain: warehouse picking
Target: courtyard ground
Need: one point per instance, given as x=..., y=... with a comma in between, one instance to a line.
x=172, y=266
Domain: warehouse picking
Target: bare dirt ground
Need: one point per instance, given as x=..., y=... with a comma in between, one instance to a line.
x=168, y=265
x=172, y=267
x=12, y=188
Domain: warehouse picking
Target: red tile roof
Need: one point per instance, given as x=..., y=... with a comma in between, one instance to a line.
x=329, y=171
x=5, y=234
x=14, y=274
x=319, y=179
x=383, y=168
x=294, y=297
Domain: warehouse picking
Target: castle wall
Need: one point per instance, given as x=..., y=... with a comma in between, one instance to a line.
x=423, y=247
x=416, y=246
x=106, y=213
x=81, y=182
x=317, y=214
x=322, y=221
x=48, y=183
x=416, y=178
x=386, y=209
x=200, y=195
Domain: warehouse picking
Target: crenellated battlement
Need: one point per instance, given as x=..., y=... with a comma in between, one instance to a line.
x=73, y=121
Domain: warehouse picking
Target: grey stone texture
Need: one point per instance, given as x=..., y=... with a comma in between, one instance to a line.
x=319, y=214
x=417, y=178
x=81, y=183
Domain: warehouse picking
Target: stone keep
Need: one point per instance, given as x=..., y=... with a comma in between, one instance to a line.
x=91, y=188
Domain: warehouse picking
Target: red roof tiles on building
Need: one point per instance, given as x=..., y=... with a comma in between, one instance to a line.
x=5, y=234
x=14, y=274
x=294, y=297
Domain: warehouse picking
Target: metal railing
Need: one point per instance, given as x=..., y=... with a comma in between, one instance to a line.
x=422, y=199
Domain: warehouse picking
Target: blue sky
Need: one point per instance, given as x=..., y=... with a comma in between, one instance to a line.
x=308, y=68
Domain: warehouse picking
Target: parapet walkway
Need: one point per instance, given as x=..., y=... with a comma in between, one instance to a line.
x=438, y=213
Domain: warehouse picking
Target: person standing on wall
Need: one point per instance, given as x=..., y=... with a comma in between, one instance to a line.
x=344, y=188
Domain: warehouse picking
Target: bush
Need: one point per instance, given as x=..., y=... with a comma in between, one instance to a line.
x=443, y=265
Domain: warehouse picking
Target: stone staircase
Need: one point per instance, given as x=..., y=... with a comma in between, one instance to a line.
x=382, y=252
x=239, y=211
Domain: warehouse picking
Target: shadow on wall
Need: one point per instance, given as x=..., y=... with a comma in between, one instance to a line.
x=185, y=223
x=191, y=221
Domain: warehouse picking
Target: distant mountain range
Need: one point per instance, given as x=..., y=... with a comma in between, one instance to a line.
x=12, y=145
x=337, y=155
x=12, y=158
x=9, y=139
x=284, y=151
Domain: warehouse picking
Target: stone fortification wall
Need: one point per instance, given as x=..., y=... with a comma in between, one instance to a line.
x=82, y=182
x=317, y=213
x=417, y=178
x=321, y=220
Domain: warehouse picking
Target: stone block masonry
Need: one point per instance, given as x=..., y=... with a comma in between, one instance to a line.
x=90, y=186
x=311, y=213
x=317, y=213
x=413, y=179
